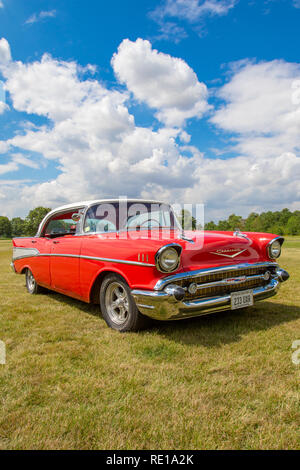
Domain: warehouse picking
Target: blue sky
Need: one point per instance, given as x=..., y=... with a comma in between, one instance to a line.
x=202, y=108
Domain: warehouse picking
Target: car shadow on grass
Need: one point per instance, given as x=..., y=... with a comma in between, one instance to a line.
x=211, y=330
x=226, y=327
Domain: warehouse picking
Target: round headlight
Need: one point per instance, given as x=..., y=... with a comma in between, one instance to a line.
x=167, y=259
x=274, y=249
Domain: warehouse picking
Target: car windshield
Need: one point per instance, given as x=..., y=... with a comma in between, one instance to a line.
x=110, y=217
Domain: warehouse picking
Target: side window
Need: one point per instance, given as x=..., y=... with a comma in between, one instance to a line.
x=60, y=225
x=101, y=218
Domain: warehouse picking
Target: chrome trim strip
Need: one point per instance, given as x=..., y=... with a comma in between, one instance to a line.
x=203, y=272
x=120, y=261
x=96, y=258
x=237, y=281
x=22, y=252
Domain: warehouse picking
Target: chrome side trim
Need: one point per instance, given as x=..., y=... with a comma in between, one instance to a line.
x=203, y=272
x=21, y=252
x=120, y=261
x=35, y=252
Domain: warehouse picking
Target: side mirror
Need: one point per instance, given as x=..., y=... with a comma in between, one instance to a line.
x=76, y=217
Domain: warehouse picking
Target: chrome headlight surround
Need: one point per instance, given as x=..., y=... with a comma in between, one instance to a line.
x=165, y=265
x=274, y=247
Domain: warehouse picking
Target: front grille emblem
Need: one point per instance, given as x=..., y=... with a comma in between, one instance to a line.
x=235, y=280
x=230, y=253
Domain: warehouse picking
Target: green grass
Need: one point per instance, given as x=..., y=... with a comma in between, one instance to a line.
x=224, y=381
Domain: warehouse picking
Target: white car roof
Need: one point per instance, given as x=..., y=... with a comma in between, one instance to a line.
x=81, y=204
x=98, y=201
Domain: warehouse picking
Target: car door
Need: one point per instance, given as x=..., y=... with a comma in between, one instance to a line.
x=64, y=247
x=39, y=259
x=64, y=264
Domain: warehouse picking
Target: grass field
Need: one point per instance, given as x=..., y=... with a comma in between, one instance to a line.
x=224, y=381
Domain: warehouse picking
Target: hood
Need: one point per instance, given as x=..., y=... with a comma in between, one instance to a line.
x=201, y=249
x=217, y=248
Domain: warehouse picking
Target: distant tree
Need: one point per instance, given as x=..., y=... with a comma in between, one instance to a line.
x=17, y=227
x=251, y=221
x=277, y=229
x=5, y=227
x=34, y=218
x=285, y=214
x=235, y=222
x=210, y=226
x=293, y=225
x=223, y=225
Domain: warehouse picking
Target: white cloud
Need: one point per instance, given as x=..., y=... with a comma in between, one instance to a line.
x=7, y=167
x=1, y=4
x=191, y=11
x=92, y=136
x=3, y=107
x=5, y=55
x=165, y=83
x=40, y=16
x=20, y=159
x=260, y=108
x=101, y=152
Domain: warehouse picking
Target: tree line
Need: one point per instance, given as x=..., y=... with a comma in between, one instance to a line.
x=282, y=222
x=18, y=227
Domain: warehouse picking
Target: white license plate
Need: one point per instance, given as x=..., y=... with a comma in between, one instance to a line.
x=241, y=299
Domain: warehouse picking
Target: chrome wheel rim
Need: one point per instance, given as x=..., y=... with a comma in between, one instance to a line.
x=117, y=303
x=30, y=281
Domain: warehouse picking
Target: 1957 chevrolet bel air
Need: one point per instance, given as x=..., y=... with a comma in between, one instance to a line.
x=134, y=259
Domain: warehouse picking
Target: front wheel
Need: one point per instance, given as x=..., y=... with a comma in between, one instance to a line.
x=31, y=284
x=118, y=307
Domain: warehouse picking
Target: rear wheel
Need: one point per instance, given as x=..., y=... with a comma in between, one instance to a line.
x=118, y=307
x=32, y=286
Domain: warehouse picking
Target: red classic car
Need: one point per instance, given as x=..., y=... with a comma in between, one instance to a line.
x=134, y=259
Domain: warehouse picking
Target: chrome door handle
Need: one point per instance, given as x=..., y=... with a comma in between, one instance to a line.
x=56, y=242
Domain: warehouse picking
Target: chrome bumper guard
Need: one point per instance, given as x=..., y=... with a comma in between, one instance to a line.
x=166, y=304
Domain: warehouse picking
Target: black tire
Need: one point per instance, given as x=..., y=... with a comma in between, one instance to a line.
x=122, y=316
x=31, y=284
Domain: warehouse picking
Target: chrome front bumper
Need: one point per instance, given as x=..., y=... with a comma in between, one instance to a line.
x=162, y=304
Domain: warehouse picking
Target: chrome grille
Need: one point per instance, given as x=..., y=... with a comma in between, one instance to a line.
x=212, y=291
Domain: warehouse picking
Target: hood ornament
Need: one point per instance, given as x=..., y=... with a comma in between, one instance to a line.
x=238, y=233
